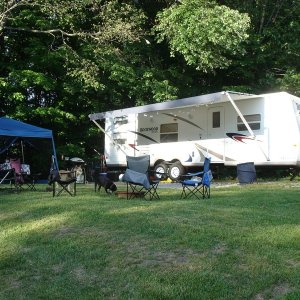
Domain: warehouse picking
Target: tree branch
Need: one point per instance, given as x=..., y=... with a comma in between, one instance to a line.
x=10, y=6
x=49, y=31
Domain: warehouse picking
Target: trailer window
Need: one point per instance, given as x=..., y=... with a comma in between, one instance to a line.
x=252, y=120
x=169, y=133
x=216, y=119
x=121, y=120
x=119, y=138
x=120, y=141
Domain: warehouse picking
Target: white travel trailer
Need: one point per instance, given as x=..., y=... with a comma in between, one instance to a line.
x=229, y=127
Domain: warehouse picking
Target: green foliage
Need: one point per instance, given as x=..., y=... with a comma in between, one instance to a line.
x=273, y=47
x=207, y=35
x=61, y=60
x=71, y=150
x=52, y=75
x=27, y=78
x=290, y=82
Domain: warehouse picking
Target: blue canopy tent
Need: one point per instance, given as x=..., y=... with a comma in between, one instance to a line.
x=11, y=130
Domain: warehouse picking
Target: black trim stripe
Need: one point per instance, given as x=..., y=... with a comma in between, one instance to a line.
x=145, y=136
x=182, y=119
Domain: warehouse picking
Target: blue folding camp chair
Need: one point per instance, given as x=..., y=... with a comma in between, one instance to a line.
x=197, y=184
x=138, y=178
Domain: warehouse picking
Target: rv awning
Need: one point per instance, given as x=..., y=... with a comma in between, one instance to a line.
x=185, y=102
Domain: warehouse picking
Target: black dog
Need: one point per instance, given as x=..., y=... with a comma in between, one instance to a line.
x=103, y=181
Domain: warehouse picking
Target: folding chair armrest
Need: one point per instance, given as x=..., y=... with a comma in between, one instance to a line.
x=195, y=174
x=190, y=175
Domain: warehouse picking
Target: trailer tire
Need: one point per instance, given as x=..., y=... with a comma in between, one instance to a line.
x=176, y=170
x=161, y=168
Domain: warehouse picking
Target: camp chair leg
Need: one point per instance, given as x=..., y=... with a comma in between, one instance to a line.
x=64, y=187
x=152, y=192
x=30, y=180
x=135, y=191
x=31, y=186
x=190, y=191
x=183, y=193
x=206, y=192
x=16, y=185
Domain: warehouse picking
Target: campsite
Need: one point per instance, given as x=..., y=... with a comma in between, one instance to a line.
x=149, y=149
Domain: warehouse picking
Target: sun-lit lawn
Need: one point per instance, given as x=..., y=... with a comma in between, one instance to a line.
x=243, y=243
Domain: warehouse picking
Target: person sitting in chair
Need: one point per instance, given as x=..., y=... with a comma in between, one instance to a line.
x=16, y=165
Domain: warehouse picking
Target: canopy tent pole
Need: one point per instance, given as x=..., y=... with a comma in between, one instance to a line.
x=9, y=144
x=54, y=154
x=22, y=149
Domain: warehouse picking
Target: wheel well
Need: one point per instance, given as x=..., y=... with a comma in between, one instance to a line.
x=160, y=161
x=175, y=161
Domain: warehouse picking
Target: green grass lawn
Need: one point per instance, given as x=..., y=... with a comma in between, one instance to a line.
x=242, y=243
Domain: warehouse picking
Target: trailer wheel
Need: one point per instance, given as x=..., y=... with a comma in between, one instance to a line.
x=176, y=170
x=162, y=169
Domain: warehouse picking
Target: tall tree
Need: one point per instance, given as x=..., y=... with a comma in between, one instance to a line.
x=272, y=54
x=54, y=55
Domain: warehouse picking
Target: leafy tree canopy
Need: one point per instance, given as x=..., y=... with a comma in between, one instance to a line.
x=61, y=60
x=206, y=34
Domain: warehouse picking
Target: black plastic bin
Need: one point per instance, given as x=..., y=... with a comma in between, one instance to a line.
x=246, y=172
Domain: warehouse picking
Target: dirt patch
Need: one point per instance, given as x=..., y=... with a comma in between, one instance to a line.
x=66, y=230
x=219, y=249
x=57, y=269
x=15, y=284
x=80, y=275
x=167, y=258
x=274, y=292
x=293, y=263
x=243, y=267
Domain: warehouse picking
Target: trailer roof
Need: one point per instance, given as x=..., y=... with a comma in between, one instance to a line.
x=185, y=102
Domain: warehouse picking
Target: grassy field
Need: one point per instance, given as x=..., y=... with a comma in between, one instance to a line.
x=242, y=243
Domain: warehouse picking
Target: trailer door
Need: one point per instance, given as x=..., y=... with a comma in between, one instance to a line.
x=215, y=126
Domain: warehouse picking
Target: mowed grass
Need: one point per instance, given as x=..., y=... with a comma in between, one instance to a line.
x=242, y=243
